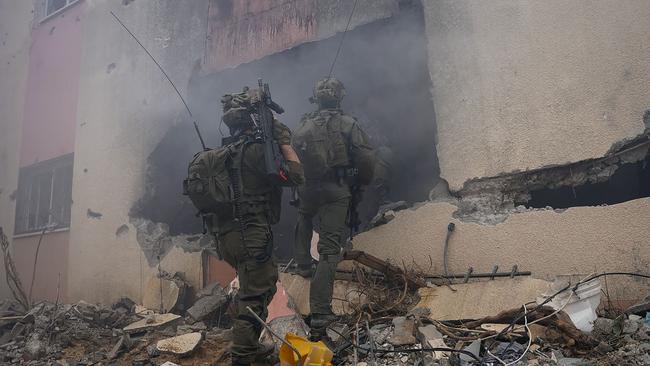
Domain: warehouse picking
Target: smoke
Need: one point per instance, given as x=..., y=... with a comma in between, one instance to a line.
x=383, y=66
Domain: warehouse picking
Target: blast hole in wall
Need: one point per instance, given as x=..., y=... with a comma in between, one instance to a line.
x=629, y=182
x=384, y=68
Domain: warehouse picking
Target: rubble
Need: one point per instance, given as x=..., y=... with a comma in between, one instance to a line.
x=150, y=322
x=208, y=302
x=403, y=331
x=180, y=345
x=165, y=292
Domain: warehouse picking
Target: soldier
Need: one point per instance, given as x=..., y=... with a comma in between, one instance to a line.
x=246, y=243
x=336, y=155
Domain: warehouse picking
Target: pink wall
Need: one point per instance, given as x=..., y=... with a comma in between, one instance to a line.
x=52, y=261
x=52, y=87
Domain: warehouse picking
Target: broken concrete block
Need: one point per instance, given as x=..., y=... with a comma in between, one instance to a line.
x=123, y=343
x=207, y=305
x=209, y=290
x=403, y=331
x=180, y=345
x=429, y=336
x=190, y=328
x=297, y=290
x=150, y=322
x=173, y=291
x=630, y=326
x=283, y=325
x=603, y=327
x=479, y=299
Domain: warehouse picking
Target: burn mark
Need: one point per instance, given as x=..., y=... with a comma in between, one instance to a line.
x=110, y=67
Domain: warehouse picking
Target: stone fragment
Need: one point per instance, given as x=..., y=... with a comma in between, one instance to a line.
x=603, y=327
x=34, y=348
x=573, y=362
x=603, y=347
x=403, y=331
x=430, y=337
x=207, y=305
x=630, y=326
x=283, y=325
x=169, y=363
x=190, y=328
x=150, y=322
x=180, y=345
x=122, y=343
x=152, y=350
x=172, y=293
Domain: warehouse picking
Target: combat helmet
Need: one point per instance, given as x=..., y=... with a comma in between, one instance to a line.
x=328, y=93
x=237, y=109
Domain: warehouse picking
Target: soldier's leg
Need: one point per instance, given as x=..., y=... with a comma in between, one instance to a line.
x=258, y=275
x=302, y=237
x=332, y=234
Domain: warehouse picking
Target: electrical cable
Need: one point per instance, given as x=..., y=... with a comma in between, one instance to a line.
x=408, y=350
x=530, y=341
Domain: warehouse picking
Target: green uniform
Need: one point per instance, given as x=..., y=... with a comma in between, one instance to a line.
x=252, y=257
x=328, y=143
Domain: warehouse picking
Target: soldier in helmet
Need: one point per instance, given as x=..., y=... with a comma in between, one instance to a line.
x=336, y=155
x=246, y=242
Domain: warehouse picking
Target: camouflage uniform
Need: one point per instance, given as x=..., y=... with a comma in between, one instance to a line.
x=252, y=258
x=326, y=193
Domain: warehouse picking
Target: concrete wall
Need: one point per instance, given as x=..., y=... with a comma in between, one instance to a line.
x=581, y=240
x=125, y=107
x=524, y=84
x=15, y=25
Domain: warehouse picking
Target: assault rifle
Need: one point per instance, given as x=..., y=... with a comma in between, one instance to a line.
x=263, y=117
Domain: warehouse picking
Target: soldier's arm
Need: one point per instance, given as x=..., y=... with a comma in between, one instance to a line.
x=295, y=173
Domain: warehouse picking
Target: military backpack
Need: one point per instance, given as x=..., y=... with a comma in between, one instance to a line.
x=209, y=183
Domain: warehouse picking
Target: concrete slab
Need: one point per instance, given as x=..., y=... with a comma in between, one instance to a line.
x=180, y=345
x=150, y=322
x=479, y=299
x=297, y=290
x=171, y=293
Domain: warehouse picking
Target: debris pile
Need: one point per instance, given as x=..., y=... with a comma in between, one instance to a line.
x=394, y=319
x=124, y=333
x=388, y=315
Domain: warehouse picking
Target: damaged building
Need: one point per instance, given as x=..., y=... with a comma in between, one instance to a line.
x=519, y=130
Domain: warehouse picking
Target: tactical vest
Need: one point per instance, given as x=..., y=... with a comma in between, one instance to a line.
x=216, y=188
x=321, y=144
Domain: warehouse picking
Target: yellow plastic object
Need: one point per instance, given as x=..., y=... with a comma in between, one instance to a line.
x=312, y=353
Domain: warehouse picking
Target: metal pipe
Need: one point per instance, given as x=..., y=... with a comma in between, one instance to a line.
x=485, y=275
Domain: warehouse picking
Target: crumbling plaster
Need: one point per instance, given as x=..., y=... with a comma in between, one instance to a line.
x=580, y=240
x=241, y=31
x=521, y=85
x=15, y=25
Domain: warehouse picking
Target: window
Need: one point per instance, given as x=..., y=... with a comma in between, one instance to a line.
x=44, y=195
x=52, y=6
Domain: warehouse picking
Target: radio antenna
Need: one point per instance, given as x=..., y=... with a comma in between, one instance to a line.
x=354, y=6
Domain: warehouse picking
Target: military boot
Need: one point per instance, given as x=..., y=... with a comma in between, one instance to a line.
x=319, y=324
x=262, y=357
